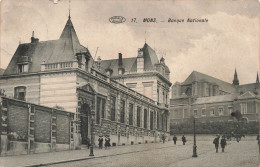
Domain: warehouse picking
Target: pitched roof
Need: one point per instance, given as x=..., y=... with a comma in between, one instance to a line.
x=113, y=64
x=53, y=51
x=2, y=71
x=215, y=99
x=247, y=95
x=150, y=57
x=197, y=76
x=250, y=86
x=130, y=64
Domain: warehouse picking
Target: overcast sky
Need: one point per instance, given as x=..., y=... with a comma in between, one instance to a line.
x=229, y=40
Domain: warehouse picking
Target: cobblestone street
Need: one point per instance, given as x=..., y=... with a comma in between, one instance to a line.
x=244, y=154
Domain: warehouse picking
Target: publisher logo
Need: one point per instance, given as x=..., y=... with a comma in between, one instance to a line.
x=117, y=19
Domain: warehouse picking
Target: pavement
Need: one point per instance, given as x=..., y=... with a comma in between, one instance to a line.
x=244, y=153
x=44, y=159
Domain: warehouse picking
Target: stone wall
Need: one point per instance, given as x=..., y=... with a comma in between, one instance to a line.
x=29, y=128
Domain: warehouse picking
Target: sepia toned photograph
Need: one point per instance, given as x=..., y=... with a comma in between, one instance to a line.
x=129, y=83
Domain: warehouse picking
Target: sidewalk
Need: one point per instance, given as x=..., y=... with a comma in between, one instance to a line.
x=76, y=155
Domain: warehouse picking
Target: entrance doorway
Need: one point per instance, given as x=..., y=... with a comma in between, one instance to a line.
x=84, y=115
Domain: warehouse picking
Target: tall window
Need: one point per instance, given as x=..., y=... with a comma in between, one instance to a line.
x=158, y=95
x=122, y=111
x=113, y=108
x=212, y=111
x=101, y=102
x=138, y=116
x=163, y=98
x=131, y=110
x=185, y=111
x=203, y=112
x=166, y=123
x=20, y=92
x=145, y=118
x=151, y=120
x=243, y=108
x=195, y=112
x=158, y=120
x=221, y=110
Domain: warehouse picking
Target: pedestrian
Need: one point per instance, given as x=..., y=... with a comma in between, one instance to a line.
x=88, y=142
x=174, y=139
x=183, y=140
x=258, y=141
x=216, y=142
x=163, y=138
x=107, y=142
x=223, y=143
x=100, y=142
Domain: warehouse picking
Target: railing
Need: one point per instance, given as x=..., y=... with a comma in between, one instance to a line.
x=57, y=66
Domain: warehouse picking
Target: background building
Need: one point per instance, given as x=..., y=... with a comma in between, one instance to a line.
x=212, y=100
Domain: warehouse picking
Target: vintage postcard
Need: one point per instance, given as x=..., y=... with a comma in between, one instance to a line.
x=158, y=83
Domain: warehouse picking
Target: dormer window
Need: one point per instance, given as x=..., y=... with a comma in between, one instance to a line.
x=23, y=63
x=22, y=68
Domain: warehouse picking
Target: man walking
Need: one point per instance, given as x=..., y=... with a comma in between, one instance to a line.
x=183, y=139
x=223, y=143
x=216, y=142
x=174, y=139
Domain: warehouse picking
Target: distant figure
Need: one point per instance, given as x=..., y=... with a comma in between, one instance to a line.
x=223, y=143
x=258, y=142
x=258, y=139
x=100, y=142
x=163, y=138
x=174, y=139
x=88, y=142
x=216, y=142
x=107, y=142
x=183, y=140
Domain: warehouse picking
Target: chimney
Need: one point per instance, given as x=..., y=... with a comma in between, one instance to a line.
x=120, y=64
x=120, y=61
x=34, y=40
x=140, y=60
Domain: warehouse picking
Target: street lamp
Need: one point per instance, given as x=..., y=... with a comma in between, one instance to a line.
x=194, y=139
x=92, y=133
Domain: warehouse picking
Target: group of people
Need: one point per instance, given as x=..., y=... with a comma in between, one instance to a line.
x=107, y=142
x=223, y=142
x=183, y=139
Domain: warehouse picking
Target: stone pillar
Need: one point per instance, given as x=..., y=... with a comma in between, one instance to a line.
x=118, y=134
x=127, y=134
x=117, y=119
x=126, y=111
x=135, y=133
x=148, y=118
x=135, y=115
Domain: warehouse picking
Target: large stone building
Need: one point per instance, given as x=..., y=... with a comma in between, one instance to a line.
x=129, y=96
x=210, y=99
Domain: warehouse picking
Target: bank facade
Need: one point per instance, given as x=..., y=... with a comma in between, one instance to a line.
x=129, y=103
